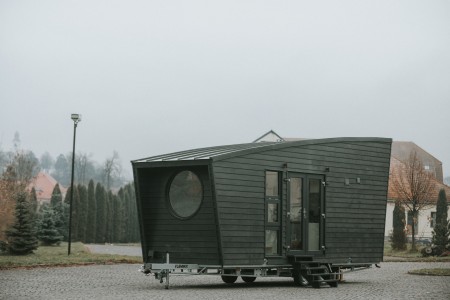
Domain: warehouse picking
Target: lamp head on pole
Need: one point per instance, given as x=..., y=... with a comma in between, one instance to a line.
x=76, y=118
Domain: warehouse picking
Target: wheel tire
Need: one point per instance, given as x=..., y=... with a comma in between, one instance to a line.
x=248, y=279
x=229, y=279
x=333, y=284
x=299, y=279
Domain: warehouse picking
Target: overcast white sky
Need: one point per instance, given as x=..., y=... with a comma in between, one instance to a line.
x=151, y=77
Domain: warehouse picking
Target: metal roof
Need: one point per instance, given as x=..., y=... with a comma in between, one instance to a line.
x=223, y=152
x=204, y=153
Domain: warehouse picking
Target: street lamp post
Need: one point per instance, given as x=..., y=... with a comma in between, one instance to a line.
x=76, y=118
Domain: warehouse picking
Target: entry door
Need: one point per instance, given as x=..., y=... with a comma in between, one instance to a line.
x=305, y=213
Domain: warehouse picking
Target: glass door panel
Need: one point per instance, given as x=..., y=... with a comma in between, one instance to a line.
x=314, y=214
x=305, y=213
x=296, y=213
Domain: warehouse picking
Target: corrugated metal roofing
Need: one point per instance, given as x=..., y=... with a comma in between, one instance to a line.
x=204, y=153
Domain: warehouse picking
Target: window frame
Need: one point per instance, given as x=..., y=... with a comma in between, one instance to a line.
x=173, y=212
x=273, y=199
x=432, y=219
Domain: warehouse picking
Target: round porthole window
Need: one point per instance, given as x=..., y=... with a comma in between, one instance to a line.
x=185, y=194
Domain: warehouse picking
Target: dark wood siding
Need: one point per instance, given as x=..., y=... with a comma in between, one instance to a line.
x=355, y=213
x=192, y=240
x=240, y=205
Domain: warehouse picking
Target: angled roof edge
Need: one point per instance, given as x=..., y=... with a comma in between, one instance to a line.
x=218, y=153
x=202, y=153
x=281, y=145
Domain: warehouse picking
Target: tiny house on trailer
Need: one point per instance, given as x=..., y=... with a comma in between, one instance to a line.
x=305, y=209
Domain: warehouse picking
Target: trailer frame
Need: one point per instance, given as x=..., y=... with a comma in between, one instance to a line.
x=304, y=272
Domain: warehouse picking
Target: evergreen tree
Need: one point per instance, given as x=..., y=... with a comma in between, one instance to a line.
x=33, y=202
x=75, y=204
x=47, y=232
x=398, y=238
x=75, y=214
x=91, y=214
x=127, y=215
x=136, y=235
x=130, y=214
x=34, y=206
x=21, y=236
x=56, y=204
x=441, y=228
x=82, y=213
x=66, y=212
x=56, y=198
x=109, y=234
x=118, y=220
x=100, y=198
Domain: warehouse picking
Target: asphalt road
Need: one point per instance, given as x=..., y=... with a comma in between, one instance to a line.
x=391, y=281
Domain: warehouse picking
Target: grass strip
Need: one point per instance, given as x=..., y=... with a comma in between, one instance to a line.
x=431, y=272
x=56, y=256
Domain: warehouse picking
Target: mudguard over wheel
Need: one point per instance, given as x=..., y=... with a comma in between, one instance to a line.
x=248, y=279
x=229, y=279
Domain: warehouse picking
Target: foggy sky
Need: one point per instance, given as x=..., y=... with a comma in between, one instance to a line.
x=151, y=77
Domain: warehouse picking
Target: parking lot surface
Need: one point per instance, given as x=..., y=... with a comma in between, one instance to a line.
x=391, y=281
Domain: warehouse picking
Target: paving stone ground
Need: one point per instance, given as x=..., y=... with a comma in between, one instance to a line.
x=391, y=281
x=115, y=249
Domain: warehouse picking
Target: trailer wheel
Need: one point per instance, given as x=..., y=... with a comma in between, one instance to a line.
x=229, y=279
x=248, y=279
x=300, y=279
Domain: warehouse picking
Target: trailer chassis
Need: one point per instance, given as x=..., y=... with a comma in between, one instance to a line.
x=304, y=273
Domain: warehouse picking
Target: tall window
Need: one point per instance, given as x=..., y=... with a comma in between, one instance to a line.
x=432, y=219
x=273, y=206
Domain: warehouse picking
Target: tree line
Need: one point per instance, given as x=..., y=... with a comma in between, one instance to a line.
x=99, y=215
x=109, y=172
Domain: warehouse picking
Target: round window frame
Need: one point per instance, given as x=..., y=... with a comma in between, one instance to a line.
x=169, y=202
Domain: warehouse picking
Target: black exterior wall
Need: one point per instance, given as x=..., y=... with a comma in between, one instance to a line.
x=355, y=212
x=192, y=240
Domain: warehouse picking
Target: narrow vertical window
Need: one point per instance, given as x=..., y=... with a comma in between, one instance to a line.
x=433, y=219
x=273, y=207
x=272, y=182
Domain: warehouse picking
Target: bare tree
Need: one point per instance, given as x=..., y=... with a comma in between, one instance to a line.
x=82, y=163
x=414, y=188
x=26, y=166
x=111, y=168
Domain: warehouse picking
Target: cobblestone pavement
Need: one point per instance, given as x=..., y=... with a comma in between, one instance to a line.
x=391, y=281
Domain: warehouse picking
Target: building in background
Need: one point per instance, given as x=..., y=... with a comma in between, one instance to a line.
x=44, y=184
